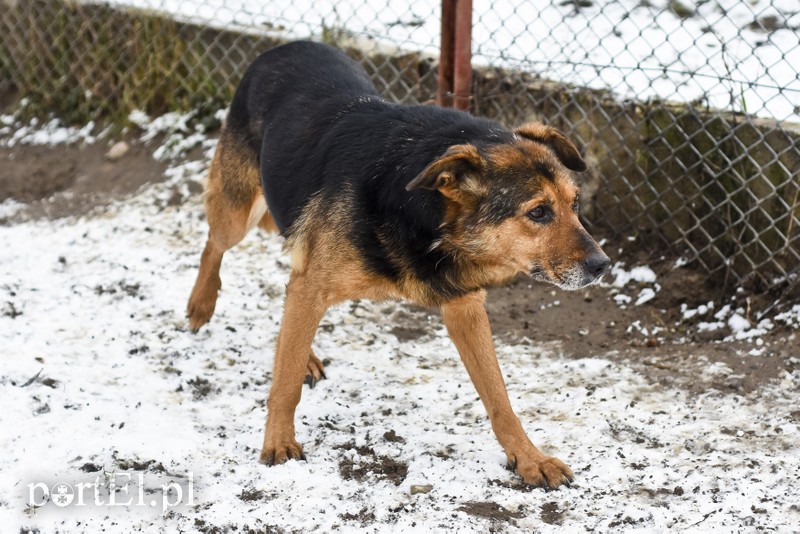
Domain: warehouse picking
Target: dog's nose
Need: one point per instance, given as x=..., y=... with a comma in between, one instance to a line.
x=597, y=263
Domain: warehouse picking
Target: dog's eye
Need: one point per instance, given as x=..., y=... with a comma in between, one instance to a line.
x=540, y=214
x=575, y=206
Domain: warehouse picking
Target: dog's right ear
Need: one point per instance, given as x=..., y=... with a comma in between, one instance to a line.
x=445, y=172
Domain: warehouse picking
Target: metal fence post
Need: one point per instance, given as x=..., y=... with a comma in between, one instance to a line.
x=462, y=75
x=455, y=60
x=446, y=53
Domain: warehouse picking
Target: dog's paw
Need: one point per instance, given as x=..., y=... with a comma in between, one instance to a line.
x=315, y=371
x=543, y=471
x=276, y=451
x=199, y=313
x=202, y=301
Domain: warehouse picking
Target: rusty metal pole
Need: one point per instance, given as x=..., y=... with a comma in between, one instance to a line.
x=462, y=69
x=446, y=54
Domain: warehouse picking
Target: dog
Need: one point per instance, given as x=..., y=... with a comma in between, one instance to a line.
x=378, y=200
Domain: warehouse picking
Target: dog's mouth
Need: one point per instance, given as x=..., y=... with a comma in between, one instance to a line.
x=572, y=279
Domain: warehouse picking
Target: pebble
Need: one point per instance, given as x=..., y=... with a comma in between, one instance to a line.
x=118, y=150
x=420, y=488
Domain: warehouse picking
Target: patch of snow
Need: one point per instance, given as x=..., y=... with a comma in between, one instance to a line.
x=9, y=207
x=790, y=317
x=723, y=313
x=636, y=326
x=641, y=274
x=50, y=133
x=744, y=330
x=622, y=299
x=699, y=311
x=645, y=295
x=680, y=262
x=179, y=136
x=704, y=326
x=716, y=370
x=737, y=323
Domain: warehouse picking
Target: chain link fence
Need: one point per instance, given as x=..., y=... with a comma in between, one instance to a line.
x=688, y=110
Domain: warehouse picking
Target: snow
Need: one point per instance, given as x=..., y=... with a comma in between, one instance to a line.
x=51, y=133
x=179, y=136
x=699, y=311
x=743, y=329
x=737, y=323
x=740, y=328
x=622, y=299
x=709, y=326
x=643, y=50
x=9, y=207
x=645, y=295
x=94, y=310
x=680, y=262
x=790, y=317
x=641, y=274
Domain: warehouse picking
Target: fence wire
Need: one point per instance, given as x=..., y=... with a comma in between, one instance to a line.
x=688, y=110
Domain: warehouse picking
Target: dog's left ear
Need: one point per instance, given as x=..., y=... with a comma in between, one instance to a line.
x=563, y=147
x=447, y=171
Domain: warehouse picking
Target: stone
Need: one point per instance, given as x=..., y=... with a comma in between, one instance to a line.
x=420, y=488
x=118, y=150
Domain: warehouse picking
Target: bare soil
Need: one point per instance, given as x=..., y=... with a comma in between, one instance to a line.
x=74, y=180
x=62, y=181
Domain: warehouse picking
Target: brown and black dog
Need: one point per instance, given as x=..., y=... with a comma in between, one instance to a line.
x=385, y=201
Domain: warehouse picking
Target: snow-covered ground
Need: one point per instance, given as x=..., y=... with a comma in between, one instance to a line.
x=728, y=54
x=100, y=380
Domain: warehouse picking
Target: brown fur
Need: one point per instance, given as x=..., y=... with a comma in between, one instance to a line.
x=232, y=189
x=557, y=141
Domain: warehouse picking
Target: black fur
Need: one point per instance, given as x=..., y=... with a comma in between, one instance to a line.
x=319, y=127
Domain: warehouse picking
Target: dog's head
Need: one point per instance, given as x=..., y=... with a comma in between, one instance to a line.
x=513, y=207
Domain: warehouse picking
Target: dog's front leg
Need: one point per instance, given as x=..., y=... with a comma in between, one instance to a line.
x=302, y=313
x=468, y=326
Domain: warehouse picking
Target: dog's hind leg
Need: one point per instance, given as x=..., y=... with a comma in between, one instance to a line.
x=234, y=205
x=315, y=370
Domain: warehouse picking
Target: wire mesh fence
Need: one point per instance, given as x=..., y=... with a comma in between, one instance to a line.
x=688, y=110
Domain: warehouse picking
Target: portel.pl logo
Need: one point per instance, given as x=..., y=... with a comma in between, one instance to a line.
x=113, y=489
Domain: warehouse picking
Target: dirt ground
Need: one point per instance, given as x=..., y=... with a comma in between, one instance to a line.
x=61, y=181
x=73, y=180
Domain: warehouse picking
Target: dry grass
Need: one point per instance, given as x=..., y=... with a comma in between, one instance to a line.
x=88, y=62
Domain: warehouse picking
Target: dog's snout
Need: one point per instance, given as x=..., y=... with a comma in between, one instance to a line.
x=597, y=264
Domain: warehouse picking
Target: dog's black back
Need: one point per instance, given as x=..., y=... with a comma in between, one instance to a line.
x=320, y=127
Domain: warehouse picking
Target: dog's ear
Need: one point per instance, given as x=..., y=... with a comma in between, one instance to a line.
x=563, y=147
x=446, y=172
